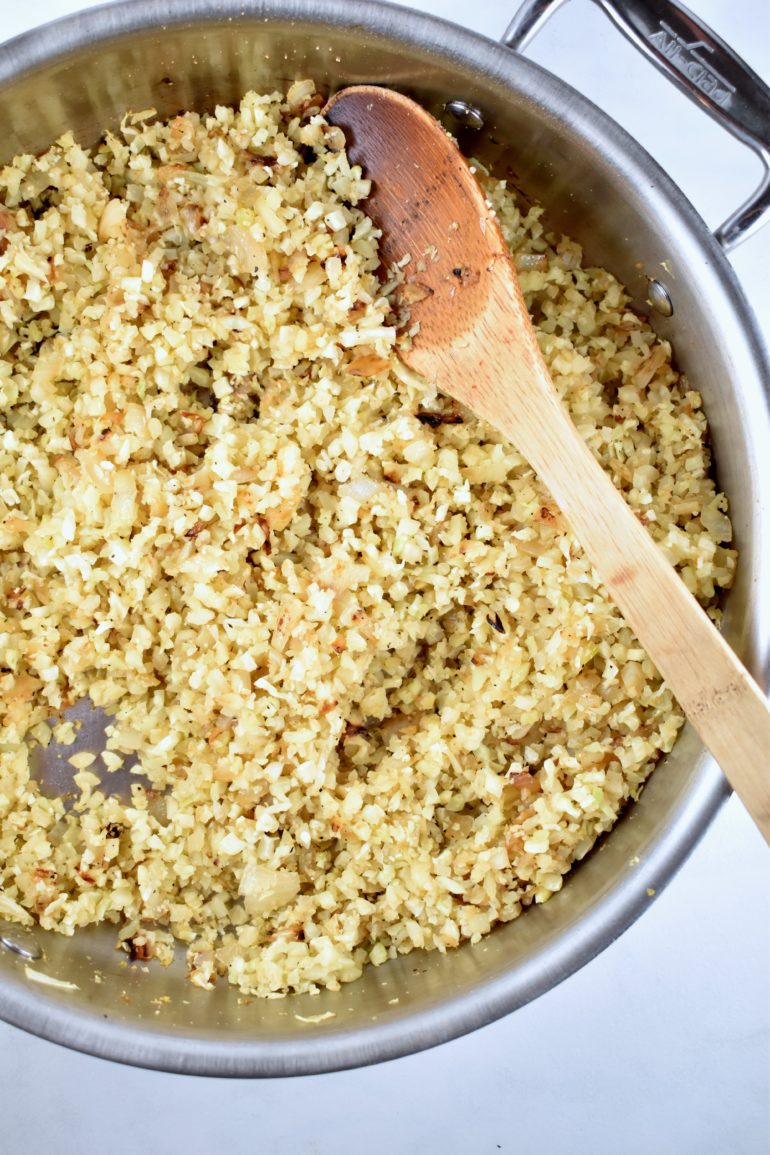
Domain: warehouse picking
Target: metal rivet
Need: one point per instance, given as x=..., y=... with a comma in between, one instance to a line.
x=22, y=943
x=466, y=113
x=660, y=298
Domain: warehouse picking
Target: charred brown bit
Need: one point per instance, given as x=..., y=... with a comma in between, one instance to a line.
x=311, y=105
x=436, y=419
x=139, y=949
x=465, y=275
x=15, y=597
x=496, y=623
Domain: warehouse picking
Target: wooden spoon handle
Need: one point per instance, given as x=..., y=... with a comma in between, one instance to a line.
x=473, y=338
x=719, y=696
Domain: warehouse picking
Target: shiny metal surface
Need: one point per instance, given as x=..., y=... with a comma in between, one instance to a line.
x=465, y=113
x=20, y=941
x=660, y=298
x=605, y=190
x=702, y=66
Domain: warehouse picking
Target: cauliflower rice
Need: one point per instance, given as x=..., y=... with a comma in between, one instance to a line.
x=378, y=698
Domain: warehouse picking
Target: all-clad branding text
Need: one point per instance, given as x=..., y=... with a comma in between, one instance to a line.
x=682, y=55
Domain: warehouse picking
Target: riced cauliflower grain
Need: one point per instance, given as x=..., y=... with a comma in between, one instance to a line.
x=380, y=698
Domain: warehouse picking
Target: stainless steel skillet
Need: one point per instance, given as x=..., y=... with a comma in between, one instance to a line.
x=600, y=186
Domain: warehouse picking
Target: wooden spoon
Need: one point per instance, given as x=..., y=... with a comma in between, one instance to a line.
x=476, y=342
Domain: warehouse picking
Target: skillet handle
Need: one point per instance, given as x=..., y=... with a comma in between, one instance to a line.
x=701, y=65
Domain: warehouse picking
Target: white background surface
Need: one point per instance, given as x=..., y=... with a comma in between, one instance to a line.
x=661, y=1046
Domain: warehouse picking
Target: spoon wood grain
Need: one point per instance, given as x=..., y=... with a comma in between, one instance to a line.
x=476, y=343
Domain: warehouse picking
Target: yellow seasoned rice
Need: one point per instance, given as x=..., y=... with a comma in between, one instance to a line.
x=378, y=697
